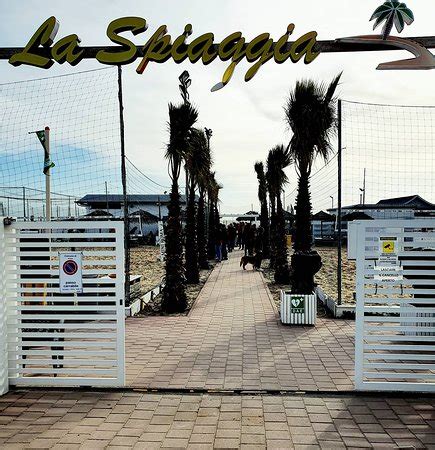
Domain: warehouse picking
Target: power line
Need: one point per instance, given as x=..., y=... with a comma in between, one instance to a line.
x=146, y=176
x=314, y=174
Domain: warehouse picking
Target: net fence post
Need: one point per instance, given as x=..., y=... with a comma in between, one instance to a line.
x=339, y=166
x=124, y=186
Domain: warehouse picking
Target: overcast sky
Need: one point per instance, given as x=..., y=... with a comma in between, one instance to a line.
x=247, y=118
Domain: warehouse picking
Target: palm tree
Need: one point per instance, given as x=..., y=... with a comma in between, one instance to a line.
x=197, y=161
x=310, y=113
x=272, y=202
x=181, y=119
x=393, y=13
x=203, y=182
x=262, y=197
x=213, y=214
x=278, y=159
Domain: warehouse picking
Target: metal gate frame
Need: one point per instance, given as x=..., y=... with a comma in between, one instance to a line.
x=56, y=339
x=395, y=319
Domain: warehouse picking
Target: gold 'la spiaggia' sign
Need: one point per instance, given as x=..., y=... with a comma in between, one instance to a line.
x=160, y=48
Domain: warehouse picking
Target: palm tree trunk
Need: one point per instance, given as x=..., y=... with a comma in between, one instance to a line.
x=272, y=231
x=305, y=262
x=201, y=231
x=282, y=273
x=388, y=27
x=192, y=267
x=174, y=294
x=303, y=233
x=211, y=230
x=264, y=222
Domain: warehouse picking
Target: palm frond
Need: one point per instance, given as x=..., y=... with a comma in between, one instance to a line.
x=278, y=159
x=381, y=18
x=407, y=14
x=310, y=114
x=380, y=10
x=197, y=157
x=332, y=88
x=182, y=117
x=399, y=22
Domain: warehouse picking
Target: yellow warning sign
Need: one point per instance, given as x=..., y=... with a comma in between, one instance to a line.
x=388, y=247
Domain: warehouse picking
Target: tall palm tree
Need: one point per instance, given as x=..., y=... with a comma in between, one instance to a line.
x=278, y=159
x=272, y=202
x=203, y=182
x=393, y=13
x=197, y=160
x=213, y=213
x=310, y=113
x=262, y=197
x=181, y=119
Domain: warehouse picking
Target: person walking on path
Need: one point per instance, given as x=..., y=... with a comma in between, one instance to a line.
x=231, y=237
x=224, y=236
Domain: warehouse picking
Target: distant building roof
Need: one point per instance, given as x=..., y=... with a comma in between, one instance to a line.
x=414, y=202
x=99, y=213
x=323, y=217
x=145, y=216
x=411, y=201
x=357, y=215
x=92, y=199
x=249, y=216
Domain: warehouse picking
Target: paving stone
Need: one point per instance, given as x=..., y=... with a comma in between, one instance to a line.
x=232, y=339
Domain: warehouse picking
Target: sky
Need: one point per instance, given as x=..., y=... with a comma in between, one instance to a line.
x=247, y=119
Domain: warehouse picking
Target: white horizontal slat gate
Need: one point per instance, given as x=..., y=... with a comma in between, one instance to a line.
x=56, y=339
x=4, y=383
x=395, y=311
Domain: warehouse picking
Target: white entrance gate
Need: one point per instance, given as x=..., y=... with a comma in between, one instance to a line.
x=4, y=384
x=395, y=311
x=56, y=339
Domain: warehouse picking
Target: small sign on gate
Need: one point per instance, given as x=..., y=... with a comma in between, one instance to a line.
x=387, y=245
x=298, y=304
x=70, y=273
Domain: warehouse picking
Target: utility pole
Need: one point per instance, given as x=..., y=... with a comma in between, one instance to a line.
x=24, y=203
x=339, y=263
x=124, y=186
x=364, y=187
x=47, y=177
x=107, y=200
x=160, y=212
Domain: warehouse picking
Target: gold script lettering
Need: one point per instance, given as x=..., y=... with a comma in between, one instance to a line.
x=65, y=50
x=129, y=51
x=44, y=36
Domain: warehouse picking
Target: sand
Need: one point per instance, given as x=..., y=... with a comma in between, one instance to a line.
x=326, y=278
x=145, y=261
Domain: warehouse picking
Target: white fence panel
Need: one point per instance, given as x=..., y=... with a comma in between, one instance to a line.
x=4, y=384
x=395, y=312
x=68, y=339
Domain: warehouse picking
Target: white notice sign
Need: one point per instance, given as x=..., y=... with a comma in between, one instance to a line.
x=70, y=273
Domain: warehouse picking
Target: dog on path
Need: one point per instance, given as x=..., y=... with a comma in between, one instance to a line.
x=255, y=261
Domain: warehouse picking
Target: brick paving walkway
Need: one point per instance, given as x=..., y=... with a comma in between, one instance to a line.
x=91, y=420
x=232, y=339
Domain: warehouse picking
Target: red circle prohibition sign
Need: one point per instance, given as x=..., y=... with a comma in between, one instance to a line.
x=70, y=267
